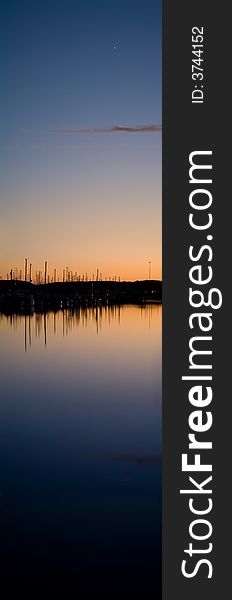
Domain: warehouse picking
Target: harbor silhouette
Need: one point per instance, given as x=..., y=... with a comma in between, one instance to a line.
x=25, y=297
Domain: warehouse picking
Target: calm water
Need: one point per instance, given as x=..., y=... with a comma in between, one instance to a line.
x=80, y=443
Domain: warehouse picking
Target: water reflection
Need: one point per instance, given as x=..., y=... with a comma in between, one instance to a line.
x=36, y=324
x=80, y=442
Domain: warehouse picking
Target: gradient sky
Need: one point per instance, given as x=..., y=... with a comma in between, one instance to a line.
x=87, y=199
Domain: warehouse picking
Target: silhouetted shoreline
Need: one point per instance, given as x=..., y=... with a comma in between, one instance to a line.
x=24, y=297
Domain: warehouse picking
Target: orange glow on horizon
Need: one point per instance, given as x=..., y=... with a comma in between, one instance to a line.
x=56, y=271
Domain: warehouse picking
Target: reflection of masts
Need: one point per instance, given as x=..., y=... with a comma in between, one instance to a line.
x=45, y=329
x=25, y=333
x=30, y=331
x=66, y=322
x=96, y=317
x=37, y=325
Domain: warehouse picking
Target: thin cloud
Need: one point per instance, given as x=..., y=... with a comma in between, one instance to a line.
x=90, y=145
x=114, y=129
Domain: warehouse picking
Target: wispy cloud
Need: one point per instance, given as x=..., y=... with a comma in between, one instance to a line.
x=114, y=129
x=88, y=145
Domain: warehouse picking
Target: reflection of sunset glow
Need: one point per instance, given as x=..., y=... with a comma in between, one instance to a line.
x=128, y=321
x=105, y=349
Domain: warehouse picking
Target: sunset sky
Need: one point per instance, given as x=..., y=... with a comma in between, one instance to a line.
x=80, y=145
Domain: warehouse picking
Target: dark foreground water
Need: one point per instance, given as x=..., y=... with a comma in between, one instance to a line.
x=80, y=443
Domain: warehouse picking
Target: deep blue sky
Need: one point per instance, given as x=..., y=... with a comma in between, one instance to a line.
x=59, y=69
